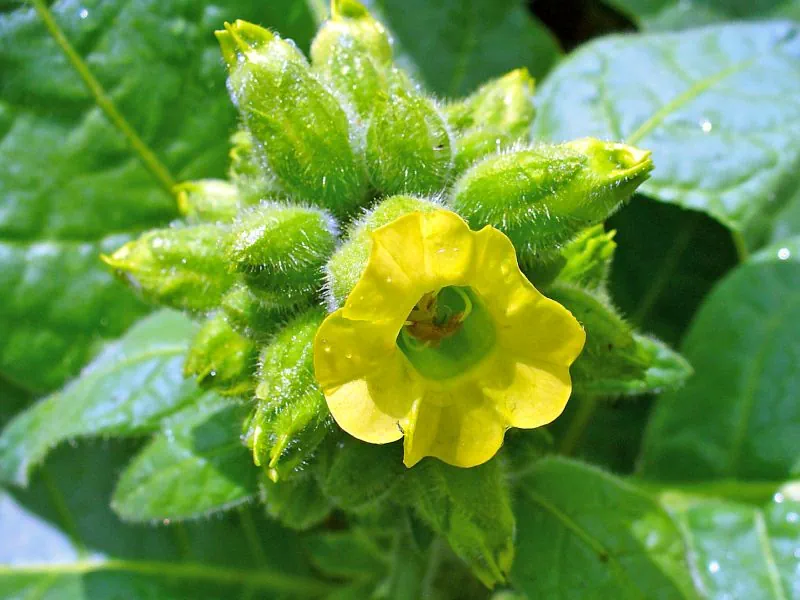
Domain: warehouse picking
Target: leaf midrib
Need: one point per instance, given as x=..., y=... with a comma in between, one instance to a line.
x=260, y=578
x=593, y=544
x=101, y=98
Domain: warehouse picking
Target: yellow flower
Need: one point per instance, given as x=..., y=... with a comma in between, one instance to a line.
x=444, y=341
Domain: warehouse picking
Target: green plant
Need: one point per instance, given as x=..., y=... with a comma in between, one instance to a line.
x=220, y=403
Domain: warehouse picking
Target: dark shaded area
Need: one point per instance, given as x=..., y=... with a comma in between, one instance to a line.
x=576, y=21
x=667, y=260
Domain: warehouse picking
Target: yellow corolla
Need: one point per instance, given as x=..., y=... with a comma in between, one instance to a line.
x=444, y=341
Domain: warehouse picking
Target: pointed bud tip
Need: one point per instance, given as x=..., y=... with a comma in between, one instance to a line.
x=348, y=9
x=519, y=76
x=620, y=162
x=239, y=38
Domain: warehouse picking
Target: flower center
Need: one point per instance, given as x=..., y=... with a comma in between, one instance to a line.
x=447, y=332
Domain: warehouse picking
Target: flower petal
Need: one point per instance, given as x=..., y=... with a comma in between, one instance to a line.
x=346, y=350
x=372, y=409
x=529, y=324
x=448, y=243
x=390, y=284
x=542, y=331
x=530, y=395
x=464, y=433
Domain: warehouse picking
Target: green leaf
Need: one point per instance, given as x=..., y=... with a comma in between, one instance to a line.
x=471, y=509
x=738, y=417
x=785, y=250
x=347, y=554
x=455, y=46
x=53, y=547
x=711, y=105
x=72, y=186
x=741, y=551
x=583, y=533
x=674, y=14
x=126, y=391
x=195, y=466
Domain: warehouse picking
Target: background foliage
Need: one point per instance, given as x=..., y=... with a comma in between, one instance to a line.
x=90, y=146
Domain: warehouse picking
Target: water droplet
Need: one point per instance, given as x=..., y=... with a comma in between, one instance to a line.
x=165, y=521
x=792, y=517
x=83, y=13
x=349, y=355
x=706, y=126
x=784, y=254
x=778, y=498
x=713, y=567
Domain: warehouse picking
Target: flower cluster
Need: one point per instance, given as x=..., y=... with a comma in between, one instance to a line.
x=422, y=226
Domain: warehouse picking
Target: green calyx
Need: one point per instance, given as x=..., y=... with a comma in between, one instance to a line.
x=409, y=147
x=180, y=267
x=221, y=359
x=290, y=418
x=447, y=333
x=208, y=200
x=281, y=249
x=542, y=196
x=351, y=53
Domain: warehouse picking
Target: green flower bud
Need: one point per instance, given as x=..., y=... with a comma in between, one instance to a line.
x=208, y=200
x=588, y=258
x=291, y=416
x=294, y=119
x=408, y=143
x=221, y=359
x=504, y=104
x=352, y=52
x=347, y=263
x=475, y=144
x=281, y=249
x=543, y=196
x=182, y=267
x=248, y=171
x=616, y=360
x=251, y=316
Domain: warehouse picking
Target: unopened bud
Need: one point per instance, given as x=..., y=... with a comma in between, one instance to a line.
x=282, y=249
x=291, y=416
x=409, y=149
x=352, y=52
x=543, y=196
x=298, y=124
x=249, y=172
x=184, y=268
x=588, y=258
x=208, y=200
x=221, y=359
x=504, y=104
x=249, y=315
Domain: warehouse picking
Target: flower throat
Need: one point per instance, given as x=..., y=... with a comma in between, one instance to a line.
x=447, y=332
